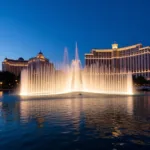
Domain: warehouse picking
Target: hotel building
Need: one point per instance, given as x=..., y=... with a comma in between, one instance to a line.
x=15, y=66
x=135, y=59
x=39, y=61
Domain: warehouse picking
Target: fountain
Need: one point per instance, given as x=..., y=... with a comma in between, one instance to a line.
x=76, y=77
x=42, y=79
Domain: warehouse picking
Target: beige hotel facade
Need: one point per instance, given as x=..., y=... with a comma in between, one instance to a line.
x=135, y=59
x=16, y=66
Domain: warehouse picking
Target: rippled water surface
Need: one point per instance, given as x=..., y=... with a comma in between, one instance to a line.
x=106, y=122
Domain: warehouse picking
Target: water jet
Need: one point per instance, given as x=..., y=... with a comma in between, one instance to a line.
x=41, y=79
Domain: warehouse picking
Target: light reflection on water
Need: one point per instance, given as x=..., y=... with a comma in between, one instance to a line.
x=1, y=93
x=107, y=122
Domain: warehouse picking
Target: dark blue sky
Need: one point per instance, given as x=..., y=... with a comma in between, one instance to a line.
x=26, y=26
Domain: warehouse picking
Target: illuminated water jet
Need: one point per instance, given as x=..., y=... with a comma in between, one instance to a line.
x=42, y=79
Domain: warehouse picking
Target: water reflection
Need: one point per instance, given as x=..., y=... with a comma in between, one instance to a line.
x=1, y=94
x=119, y=116
x=10, y=110
x=58, y=111
x=107, y=117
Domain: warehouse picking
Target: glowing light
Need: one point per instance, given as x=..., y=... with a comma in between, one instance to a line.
x=115, y=46
x=1, y=93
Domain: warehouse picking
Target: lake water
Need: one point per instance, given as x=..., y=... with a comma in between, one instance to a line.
x=105, y=122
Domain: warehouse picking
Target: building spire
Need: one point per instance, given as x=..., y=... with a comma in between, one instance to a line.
x=40, y=52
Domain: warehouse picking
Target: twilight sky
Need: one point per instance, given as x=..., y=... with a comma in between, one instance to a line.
x=28, y=26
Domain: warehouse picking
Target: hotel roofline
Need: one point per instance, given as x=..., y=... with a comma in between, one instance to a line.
x=139, y=46
x=13, y=60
